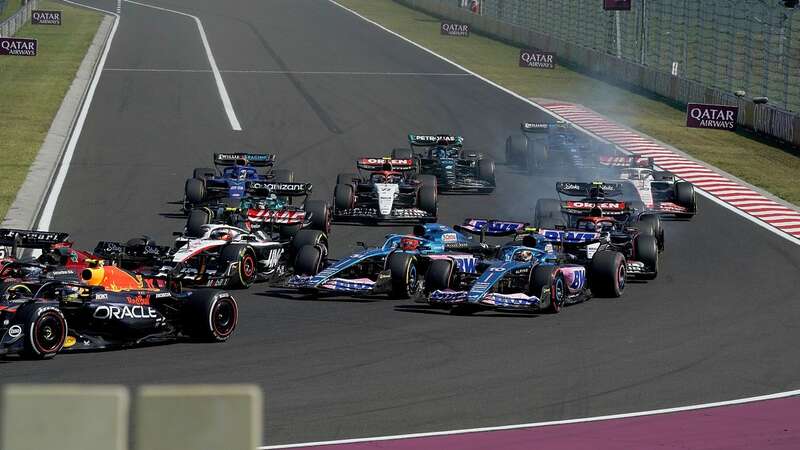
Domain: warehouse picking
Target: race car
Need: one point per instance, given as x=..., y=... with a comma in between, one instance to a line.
x=596, y=221
x=529, y=274
x=391, y=191
x=270, y=208
x=455, y=169
x=109, y=308
x=224, y=255
x=660, y=191
x=542, y=145
x=395, y=268
x=239, y=177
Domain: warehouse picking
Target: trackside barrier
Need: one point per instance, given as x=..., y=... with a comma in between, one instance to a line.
x=86, y=417
x=65, y=417
x=761, y=118
x=10, y=26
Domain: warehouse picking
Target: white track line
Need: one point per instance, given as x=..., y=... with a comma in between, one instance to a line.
x=705, y=194
x=223, y=93
x=46, y=215
x=296, y=72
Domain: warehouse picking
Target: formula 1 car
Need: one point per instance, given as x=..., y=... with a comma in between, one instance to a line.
x=524, y=275
x=110, y=308
x=542, y=145
x=391, y=192
x=596, y=222
x=395, y=268
x=270, y=209
x=660, y=191
x=238, y=178
x=455, y=169
x=228, y=256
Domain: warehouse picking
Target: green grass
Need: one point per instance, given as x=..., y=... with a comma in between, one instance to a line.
x=11, y=7
x=33, y=88
x=774, y=169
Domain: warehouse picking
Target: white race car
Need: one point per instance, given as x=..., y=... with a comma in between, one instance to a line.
x=660, y=191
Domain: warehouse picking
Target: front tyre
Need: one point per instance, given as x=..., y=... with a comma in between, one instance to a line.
x=607, y=273
x=405, y=275
x=428, y=199
x=211, y=316
x=548, y=279
x=45, y=331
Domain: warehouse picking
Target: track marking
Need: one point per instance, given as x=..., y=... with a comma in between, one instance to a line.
x=544, y=424
x=223, y=93
x=705, y=194
x=296, y=72
x=46, y=215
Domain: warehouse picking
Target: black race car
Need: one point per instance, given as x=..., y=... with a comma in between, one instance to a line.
x=109, y=308
x=455, y=169
x=542, y=146
x=392, y=191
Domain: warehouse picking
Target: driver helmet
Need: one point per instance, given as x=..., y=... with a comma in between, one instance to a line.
x=409, y=244
x=523, y=255
x=596, y=211
x=221, y=235
x=588, y=225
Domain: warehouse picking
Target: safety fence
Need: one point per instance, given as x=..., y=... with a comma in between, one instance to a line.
x=10, y=26
x=98, y=417
x=711, y=58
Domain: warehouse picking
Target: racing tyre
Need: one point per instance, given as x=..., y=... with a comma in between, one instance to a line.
x=402, y=153
x=427, y=199
x=516, y=149
x=211, y=315
x=288, y=231
x=283, y=176
x=44, y=328
x=309, y=237
x=204, y=172
x=405, y=274
x=428, y=180
x=195, y=190
x=650, y=224
x=320, y=215
x=684, y=195
x=548, y=213
x=545, y=276
x=197, y=218
x=486, y=169
x=607, y=273
x=647, y=253
x=439, y=275
x=344, y=196
x=308, y=261
x=346, y=178
x=246, y=265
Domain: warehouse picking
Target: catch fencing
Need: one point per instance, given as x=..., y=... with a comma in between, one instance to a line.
x=684, y=50
x=10, y=26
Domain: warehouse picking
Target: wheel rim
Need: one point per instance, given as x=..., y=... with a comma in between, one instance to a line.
x=49, y=333
x=223, y=317
x=558, y=292
x=621, y=272
x=248, y=267
x=413, y=279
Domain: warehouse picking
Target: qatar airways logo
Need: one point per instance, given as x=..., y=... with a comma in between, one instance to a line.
x=454, y=29
x=718, y=117
x=535, y=59
x=18, y=47
x=45, y=17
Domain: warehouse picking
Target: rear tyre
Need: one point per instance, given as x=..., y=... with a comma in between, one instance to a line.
x=428, y=199
x=650, y=224
x=309, y=237
x=245, y=259
x=45, y=331
x=211, y=316
x=607, y=273
x=309, y=260
x=402, y=153
x=405, y=275
x=486, y=170
x=647, y=253
x=685, y=196
x=195, y=190
x=547, y=213
x=197, y=218
x=547, y=277
x=344, y=196
x=320, y=215
x=516, y=150
x=204, y=172
x=288, y=231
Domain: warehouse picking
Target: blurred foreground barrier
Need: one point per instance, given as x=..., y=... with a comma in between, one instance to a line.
x=86, y=417
x=13, y=23
x=65, y=417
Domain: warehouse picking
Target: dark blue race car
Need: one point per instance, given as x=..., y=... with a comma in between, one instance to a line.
x=546, y=146
x=395, y=268
x=237, y=175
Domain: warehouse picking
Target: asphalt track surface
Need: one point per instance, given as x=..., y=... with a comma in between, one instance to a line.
x=721, y=322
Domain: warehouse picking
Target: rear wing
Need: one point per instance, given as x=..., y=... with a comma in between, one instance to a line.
x=542, y=127
x=262, y=189
x=251, y=159
x=627, y=161
x=606, y=206
x=428, y=140
x=31, y=238
x=116, y=251
x=597, y=189
x=490, y=227
x=560, y=236
x=373, y=164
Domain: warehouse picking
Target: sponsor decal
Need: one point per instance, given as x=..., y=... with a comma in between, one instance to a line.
x=717, y=117
x=18, y=47
x=454, y=29
x=449, y=237
x=617, y=5
x=494, y=226
x=163, y=295
x=245, y=156
x=535, y=126
x=40, y=17
x=465, y=264
x=569, y=236
x=286, y=187
x=571, y=187
x=602, y=205
x=394, y=162
x=536, y=59
x=101, y=296
x=14, y=331
x=70, y=341
x=119, y=312
x=3, y=252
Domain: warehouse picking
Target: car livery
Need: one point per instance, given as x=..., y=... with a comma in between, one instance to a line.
x=455, y=169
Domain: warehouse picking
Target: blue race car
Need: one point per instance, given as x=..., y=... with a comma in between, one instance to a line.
x=240, y=176
x=395, y=268
x=541, y=146
x=530, y=275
